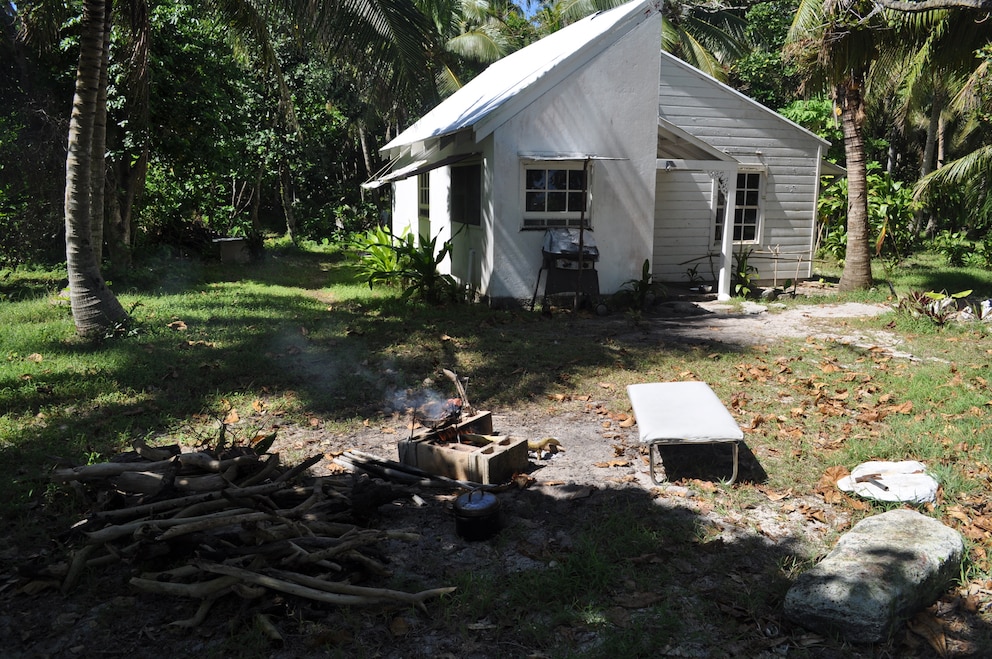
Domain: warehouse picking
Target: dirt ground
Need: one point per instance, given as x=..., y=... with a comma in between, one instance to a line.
x=537, y=522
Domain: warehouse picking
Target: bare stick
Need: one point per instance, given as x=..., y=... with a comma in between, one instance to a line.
x=269, y=468
x=416, y=599
x=201, y=613
x=269, y=629
x=120, y=530
x=106, y=470
x=300, y=468
x=207, y=522
x=79, y=558
x=155, y=453
x=287, y=587
x=171, y=504
x=197, y=590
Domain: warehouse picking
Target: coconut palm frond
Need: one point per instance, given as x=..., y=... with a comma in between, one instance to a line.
x=972, y=171
x=483, y=43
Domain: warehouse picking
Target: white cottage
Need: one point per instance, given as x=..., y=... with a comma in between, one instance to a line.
x=593, y=129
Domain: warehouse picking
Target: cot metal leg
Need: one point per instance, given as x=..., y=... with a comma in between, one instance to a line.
x=737, y=448
x=652, y=449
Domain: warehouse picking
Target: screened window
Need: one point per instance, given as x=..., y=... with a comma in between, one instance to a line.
x=555, y=196
x=424, y=194
x=747, y=211
x=466, y=194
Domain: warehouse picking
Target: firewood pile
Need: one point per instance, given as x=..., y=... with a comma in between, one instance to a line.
x=234, y=521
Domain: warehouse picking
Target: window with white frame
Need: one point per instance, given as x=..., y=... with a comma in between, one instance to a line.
x=424, y=194
x=555, y=195
x=747, y=209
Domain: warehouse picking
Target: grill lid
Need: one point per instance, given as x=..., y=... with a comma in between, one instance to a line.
x=565, y=242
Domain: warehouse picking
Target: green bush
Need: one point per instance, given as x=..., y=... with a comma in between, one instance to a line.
x=412, y=264
x=891, y=210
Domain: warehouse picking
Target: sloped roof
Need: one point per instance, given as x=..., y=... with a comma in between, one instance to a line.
x=507, y=85
x=667, y=59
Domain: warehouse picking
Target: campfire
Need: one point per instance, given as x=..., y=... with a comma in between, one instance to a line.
x=449, y=442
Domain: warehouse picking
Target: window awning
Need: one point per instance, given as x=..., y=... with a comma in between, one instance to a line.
x=415, y=168
x=575, y=157
x=828, y=168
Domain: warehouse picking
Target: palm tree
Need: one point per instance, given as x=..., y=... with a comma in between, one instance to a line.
x=95, y=309
x=835, y=44
x=707, y=36
x=970, y=174
x=365, y=29
x=467, y=31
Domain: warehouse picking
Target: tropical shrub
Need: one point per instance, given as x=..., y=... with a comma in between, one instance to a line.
x=387, y=259
x=890, y=216
x=952, y=245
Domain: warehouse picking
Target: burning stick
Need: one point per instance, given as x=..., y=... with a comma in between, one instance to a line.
x=460, y=386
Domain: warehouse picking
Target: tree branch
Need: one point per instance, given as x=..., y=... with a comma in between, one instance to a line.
x=917, y=6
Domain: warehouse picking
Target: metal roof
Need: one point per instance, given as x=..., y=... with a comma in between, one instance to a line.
x=498, y=93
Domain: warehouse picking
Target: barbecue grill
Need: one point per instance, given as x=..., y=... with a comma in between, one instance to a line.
x=569, y=258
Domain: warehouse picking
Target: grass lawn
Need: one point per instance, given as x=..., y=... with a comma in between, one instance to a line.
x=297, y=337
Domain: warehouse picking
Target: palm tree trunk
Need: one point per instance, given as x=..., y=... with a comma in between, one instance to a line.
x=98, y=171
x=287, y=196
x=94, y=306
x=857, y=261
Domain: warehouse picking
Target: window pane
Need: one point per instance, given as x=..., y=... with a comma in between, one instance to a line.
x=556, y=201
x=557, y=179
x=576, y=201
x=750, y=216
x=536, y=179
x=751, y=198
x=535, y=201
x=749, y=232
x=576, y=179
x=739, y=198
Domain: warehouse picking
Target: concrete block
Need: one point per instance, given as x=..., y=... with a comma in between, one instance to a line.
x=881, y=572
x=477, y=461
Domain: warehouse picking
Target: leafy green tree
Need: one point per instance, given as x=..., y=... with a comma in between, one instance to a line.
x=968, y=178
x=469, y=34
x=761, y=71
x=375, y=29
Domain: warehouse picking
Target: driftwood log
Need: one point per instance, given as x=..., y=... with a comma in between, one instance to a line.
x=236, y=524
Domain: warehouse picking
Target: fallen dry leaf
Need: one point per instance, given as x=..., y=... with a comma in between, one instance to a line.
x=612, y=463
x=927, y=625
x=232, y=417
x=177, y=325
x=399, y=627
x=830, y=477
x=628, y=422
x=35, y=357
x=775, y=496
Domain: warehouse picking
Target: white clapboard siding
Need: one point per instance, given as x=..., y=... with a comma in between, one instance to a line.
x=756, y=137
